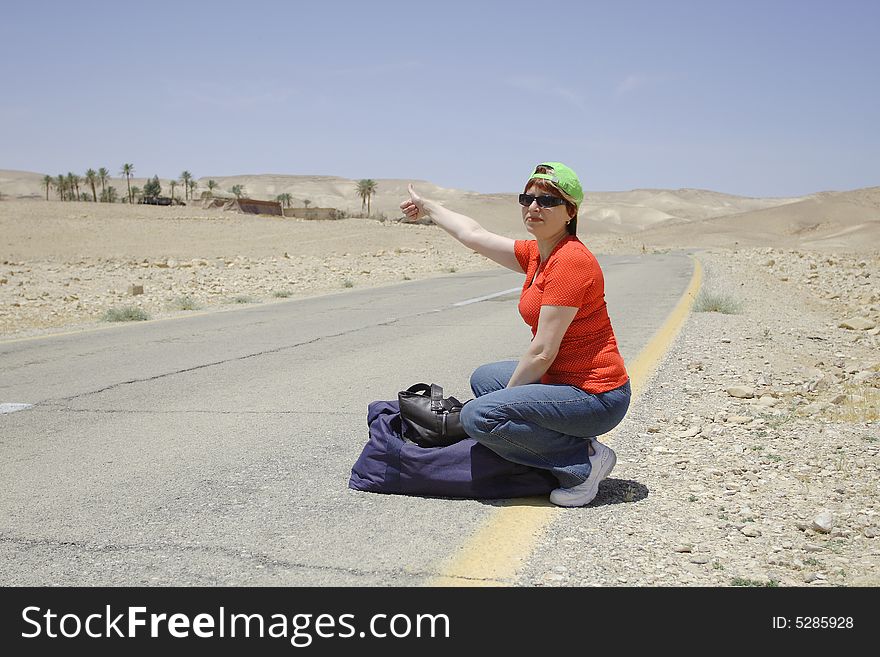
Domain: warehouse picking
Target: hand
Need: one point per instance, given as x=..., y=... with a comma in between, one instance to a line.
x=414, y=207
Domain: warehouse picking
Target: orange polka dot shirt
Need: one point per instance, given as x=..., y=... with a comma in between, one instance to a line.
x=588, y=356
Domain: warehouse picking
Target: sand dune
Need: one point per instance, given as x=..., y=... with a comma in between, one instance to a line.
x=827, y=220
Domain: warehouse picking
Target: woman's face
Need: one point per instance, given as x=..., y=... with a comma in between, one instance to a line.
x=544, y=223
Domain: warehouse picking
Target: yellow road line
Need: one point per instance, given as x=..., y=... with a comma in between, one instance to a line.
x=494, y=554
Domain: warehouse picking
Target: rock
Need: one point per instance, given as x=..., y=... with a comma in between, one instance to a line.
x=871, y=532
x=135, y=289
x=739, y=419
x=823, y=522
x=741, y=392
x=690, y=433
x=857, y=324
x=751, y=531
x=863, y=377
x=766, y=400
x=818, y=382
x=815, y=408
x=684, y=548
x=699, y=559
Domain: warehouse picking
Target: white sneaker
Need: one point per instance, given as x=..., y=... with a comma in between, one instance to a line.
x=602, y=463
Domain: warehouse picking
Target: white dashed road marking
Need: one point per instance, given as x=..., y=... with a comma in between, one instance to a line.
x=11, y=408
x=487, y=297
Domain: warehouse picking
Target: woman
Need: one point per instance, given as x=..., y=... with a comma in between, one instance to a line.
x=570, y=386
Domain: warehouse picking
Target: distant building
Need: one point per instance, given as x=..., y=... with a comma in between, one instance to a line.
x=159, y=200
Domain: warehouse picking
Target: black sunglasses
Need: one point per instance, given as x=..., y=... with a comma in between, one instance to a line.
x=544, y=201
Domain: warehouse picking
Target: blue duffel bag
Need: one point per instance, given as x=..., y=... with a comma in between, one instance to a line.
x=391, y=464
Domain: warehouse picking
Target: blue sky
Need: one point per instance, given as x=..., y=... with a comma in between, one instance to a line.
x=772, y=98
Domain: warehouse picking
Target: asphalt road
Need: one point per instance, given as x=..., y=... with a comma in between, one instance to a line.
x=216, y=449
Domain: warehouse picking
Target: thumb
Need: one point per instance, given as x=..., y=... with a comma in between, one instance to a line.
x=412, y=192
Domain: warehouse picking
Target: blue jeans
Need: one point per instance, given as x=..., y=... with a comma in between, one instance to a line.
x=540, y=425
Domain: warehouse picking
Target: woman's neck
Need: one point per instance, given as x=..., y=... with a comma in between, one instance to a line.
x=546, y=246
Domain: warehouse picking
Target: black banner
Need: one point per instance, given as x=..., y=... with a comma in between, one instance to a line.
x=428, y=620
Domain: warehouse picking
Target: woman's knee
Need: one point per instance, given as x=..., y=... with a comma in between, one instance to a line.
x=474, y=418
x=491, y=377
x=468, y=417
x=481, y=379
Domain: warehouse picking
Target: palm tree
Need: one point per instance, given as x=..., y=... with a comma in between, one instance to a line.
x=212, y=185
x=92, y=179
x=193, y=183
x=238, y=190
x=73, y=181
x=284, y=199
x=306, y=202
x=128, y=171
x=103, y=175
x=136, y=193
x=365, y=189
x=185, y=178
x=61, y=185
x=109, y=195
x=48, y=182
x=173, y=184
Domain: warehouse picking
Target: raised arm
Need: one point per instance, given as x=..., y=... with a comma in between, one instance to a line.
x=467, y=231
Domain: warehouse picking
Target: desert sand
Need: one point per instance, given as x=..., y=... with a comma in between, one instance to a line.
x=758, y=438
x=65, y=264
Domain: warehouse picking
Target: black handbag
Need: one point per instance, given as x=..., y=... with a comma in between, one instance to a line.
x=429, y=418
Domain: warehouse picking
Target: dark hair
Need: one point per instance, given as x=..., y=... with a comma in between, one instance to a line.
x=544, y=185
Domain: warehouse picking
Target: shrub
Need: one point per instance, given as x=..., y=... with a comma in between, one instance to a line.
x=185, y=302
x=744, y=581
x=125, y=314
x=709, y=301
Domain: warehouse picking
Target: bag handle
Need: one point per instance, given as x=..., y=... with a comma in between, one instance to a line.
x=435, y=392
x=420, y=389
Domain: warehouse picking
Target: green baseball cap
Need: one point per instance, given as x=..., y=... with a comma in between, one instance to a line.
x=564, y=178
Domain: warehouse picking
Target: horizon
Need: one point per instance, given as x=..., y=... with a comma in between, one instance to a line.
x=587, y=192
x=748, y=99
